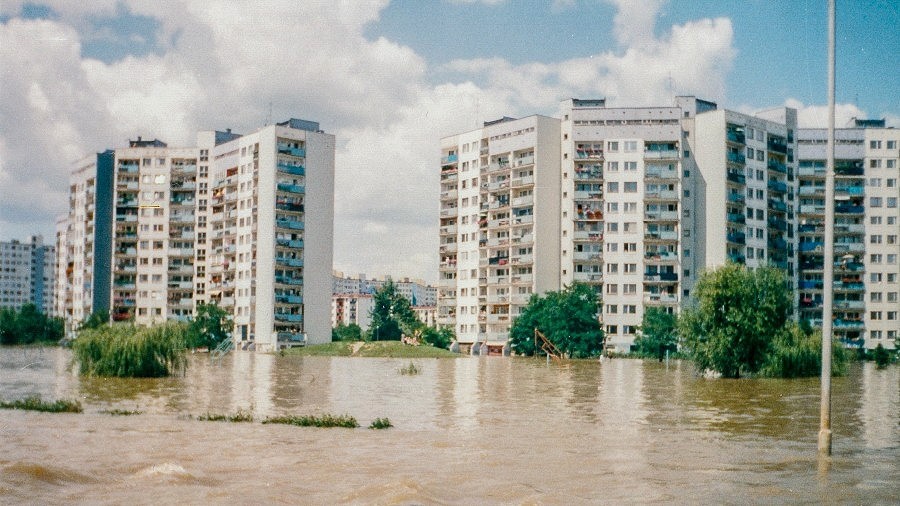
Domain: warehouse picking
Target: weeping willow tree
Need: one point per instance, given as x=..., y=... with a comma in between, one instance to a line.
x=130, y=351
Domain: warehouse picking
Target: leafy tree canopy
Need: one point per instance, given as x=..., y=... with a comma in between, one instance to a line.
x=738, y=313
x=391, y=315
x=568, y=318
x=658, y=333
x=210, y=326
x=28, y=325
x=342, y=332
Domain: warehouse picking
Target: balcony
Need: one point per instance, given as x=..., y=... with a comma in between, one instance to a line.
x=289, y=206
x=852, y=228
x=736, y=198
x=296, y=170
x=288, y=280
x=522, y=181
x=846, y=170
x=809, y=191
x=449, y=194
x=289, y=224
x=736, y=218
x=448, y=159
x=291, y=188
x=526, y=200
x=588, y=277
x=661, y=215
x=587, y=256
x=286, y=317
x=594, y=172
x=291, y=262
x=737, y=238
x=661, y=195
x=448, y=248
x=849, y=304
x=814, y=246
x=736, y=137
x=660, y=298
x=736, y=178
x=777, y=186
x=290, y=243
x=814, y=284
x=735, y=157
x=777, y=145
x=660, y=256
x=284, y=149
x=853, y=191
x=660, y=154
x=778, y=244
x=737, y=258
x=524, y=160
x=582, y=154
x=777, y=205
x=841, y=248
x=777, y=223
x=848, y=209
x=849, y=286
x=130, y=168
x=288, y=299
x=811, y=209
x=660, y=277
x=662, y=235
x=653, y=172
x=584, y=235
x=777, y=166
x=811, y=171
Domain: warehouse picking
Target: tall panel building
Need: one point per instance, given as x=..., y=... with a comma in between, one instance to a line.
x=499, y=226
x=648, y=198
x=268, y=233
x=27, y=274
x=865, y=262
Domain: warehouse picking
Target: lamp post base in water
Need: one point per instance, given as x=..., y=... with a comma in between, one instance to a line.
x=825, y=442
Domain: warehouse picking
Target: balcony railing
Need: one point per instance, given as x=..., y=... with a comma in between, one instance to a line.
x=289, y=299
x=778, y=186
x=777, y=205
x=288, y=280
x=737, y=238
x=292, y=262
x=291, y=188
x=736, y=178
x=666, y=277
x=285, y=317
x=849, y=209
x=736, y=218
x=449, y=159
x=735, y=157
x=777, y=166
x=661, y=215
x=290, y=150
x=290, y=243
x=297, y=170
x=289, y=224
x=736, y=197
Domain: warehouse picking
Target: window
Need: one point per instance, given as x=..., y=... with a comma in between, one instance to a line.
x=612, y=207
x=612, y=289
x=630, y=166
x=875, y=297
x=875, y=220
x=612, y=247
x=612, y=329
x=875, y=239
x=687, y=193
x=629, y=289
x=612, y=166
x=892, y=144
x=891, y=164
x=874, y=144
x=891, y=201
x=612, y=187
x=612, y=227
x=875, y=164
x=875, y=181
x=629, y=309
x=612, y=146
x=875, y=315
x=875, y=259
x=612, y=309
x=760, y=155
x=630, y=268
x=686, y=173
x=875, y=277
x=750, y=153
x=875, y=202
x=631, y=186
x=612, y=268
x=630, y=247
x=630, y=147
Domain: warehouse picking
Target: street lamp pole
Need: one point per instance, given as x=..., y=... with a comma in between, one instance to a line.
x=828, y=261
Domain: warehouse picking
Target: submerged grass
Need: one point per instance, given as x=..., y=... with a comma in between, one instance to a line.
x=384, y=349
x=335, y=349
x=34, y=403
x=240, y=416
x=129, y=351
x=121, y=412
x=380, y=423
x=326, y=420
x=409, y=370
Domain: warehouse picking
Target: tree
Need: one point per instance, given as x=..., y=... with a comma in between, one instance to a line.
x=391, y=315
x=439, y=338
x=658, y=333
x=738, y=313
x=210, y=326
x=342, y=332
x=882, y=357
x=568, y=318
x=28, y=325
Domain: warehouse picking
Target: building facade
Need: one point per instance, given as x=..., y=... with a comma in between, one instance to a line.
x=866, y=248
x=27, y=274
x=499, y=226
x=637, y=203
x=244, y=222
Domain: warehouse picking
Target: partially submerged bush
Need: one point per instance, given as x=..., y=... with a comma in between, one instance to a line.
x=380, y=423
x=409, y=370
x=34, y=403
x=129, y=351
x=326, y=420
x=241, y=415
x=795, y=353
x=121, y=412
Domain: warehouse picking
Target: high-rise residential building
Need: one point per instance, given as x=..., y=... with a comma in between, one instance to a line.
x=648, y=197
x=244, y=222
x=84, y=249
x=268, y=234
x=499, y=226
x=27, y=274
x=866, y=248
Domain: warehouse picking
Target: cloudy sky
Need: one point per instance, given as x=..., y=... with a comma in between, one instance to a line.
x=389, y=79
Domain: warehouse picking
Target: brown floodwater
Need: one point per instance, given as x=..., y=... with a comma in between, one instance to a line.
x=486, y=430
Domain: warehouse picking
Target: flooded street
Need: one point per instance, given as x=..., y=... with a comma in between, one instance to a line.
x=467, y=431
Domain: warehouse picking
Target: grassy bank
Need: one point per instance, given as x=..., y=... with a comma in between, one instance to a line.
x=387, y=349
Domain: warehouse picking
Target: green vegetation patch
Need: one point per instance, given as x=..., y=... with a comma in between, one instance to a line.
x=394, y=349
x=326, y=420
x=29, y=326
x=409, y=369
x=121, y=412
x=241, y=415
x=380, y=423
x=337, y=349
x=130, y=351
x=34, y=403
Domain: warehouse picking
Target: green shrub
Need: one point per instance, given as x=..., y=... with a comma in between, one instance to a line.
x=129, y=351
x=380, y=423
x=34, y=403
x=241, y=415
x=409, y=370
x=797, y=354
x=881, y=356
x=121, y=412
x=326, y=420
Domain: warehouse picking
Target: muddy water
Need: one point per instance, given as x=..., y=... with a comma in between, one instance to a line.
x=467, y=431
